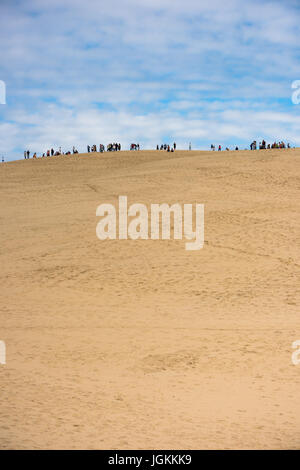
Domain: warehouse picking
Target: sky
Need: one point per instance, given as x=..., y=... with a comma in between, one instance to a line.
x=147, y=71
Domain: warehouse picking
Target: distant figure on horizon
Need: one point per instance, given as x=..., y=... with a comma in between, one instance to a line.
x=262, y=145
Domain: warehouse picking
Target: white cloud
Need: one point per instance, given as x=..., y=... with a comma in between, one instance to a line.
x=157, y=69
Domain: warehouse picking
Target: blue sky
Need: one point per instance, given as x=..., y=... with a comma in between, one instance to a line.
x=92, y=72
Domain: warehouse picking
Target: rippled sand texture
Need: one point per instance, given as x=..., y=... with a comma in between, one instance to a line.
x=142, y=344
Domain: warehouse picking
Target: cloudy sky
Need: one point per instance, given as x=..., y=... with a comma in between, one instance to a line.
x=148, y=71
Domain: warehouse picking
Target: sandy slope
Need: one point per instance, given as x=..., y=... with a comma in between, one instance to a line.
x=142, y=344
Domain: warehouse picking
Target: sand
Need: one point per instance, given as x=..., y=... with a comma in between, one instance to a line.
x=124, y=344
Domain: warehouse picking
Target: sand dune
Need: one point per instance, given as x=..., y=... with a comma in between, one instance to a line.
x=142, y=344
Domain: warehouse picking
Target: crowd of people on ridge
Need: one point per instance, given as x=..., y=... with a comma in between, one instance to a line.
x=213, y=148
x=166, y=147
x=90, y=148
x=49, y=153
x=134, y=146
x=253, y=146
x=113, y=147
x=263, y=145
x=110, y=148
